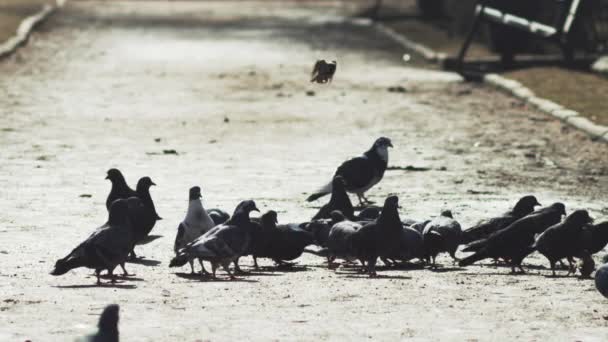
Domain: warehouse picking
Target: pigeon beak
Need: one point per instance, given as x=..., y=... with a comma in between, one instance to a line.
x=537, y=204
x=390, y=144
x=255, y=209
x=152, y=183
x=107, y=177
x=200, y=196
x=276, y=220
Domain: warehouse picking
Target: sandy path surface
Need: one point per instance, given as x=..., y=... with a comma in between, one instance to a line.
x=104, y=80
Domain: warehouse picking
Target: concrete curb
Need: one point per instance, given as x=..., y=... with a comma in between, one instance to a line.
x=25, y=29
x=509, y=86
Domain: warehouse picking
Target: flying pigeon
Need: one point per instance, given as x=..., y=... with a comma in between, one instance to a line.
x=323, y=71
x=361, y=173
x=196, y=223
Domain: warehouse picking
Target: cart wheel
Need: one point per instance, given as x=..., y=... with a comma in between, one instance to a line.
x=431, y=8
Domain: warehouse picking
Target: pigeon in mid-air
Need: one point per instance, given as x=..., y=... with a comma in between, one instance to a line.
x=120, y=189
x=323, y=71
x=107, y=247
x=514, y=243
x=196, y=223
x=560, y=241
x=442, y=234
x=107, y=326
x=483, y=229
x=223, y=244
x=361, y=173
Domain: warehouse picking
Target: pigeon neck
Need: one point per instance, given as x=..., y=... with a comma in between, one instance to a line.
x=197, y=213
x=239, y=217
x=339, y=199
x=144, y=195
x=378, y=156
x=389, y=216
x=119, y=184
x=521, y=209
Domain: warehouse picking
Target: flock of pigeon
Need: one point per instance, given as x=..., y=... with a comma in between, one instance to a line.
x=337, y=230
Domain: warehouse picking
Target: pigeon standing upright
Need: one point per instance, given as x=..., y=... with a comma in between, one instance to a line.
x=107, y=247
x=483, y=229
x=107, y=326
x=145, y=219
x=323, y=71
x=339, y=201
x=119, y=189
x=223, y=244
x=560, y=241
x=361, y=173
x=514, y=243
x=196, y=223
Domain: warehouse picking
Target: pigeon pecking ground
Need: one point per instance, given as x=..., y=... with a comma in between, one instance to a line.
x=104, y=81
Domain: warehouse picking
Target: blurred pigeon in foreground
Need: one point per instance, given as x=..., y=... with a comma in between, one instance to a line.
x=108, y=326
x=323, y=71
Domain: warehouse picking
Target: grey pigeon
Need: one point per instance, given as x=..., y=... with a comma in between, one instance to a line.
x=107, y=326
x=560, y=240
x=442, y=234
x=361, y=173
x=514, y=243
x=107, y=247
x=411, y=246
x=223, y=244
x=483, y=229
x=196, y=223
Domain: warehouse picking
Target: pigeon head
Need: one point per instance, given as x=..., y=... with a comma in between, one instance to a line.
x=144, y=183
x=270, y=218
x=383, y=142
x=195, y=193
x=114, y=175
x=526, y=205
x=560, y=207
x=579, y=217
x=447, y=213
x=61, y=267
x=391, y=202
x=337, y=216
x=108, y=321
x=246, y=207
x=119, y=210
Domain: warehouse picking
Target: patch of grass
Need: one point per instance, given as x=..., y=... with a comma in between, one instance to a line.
x=584, y=92
x=12, y=12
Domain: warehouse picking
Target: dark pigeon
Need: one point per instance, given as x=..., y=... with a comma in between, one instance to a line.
x=339, y=239
x=285, y=242
x=320, y=228
x=442, y=234
x=145, y=219
x=196, y=223
x=107, y=247
x=107, y=326
x=560, y=240
x=218, y=216
x=514, y=243
x=587, y=265
x=223, y=244
x=379, y=238
x=411, y=246
x=339, y=201
x=594, y=238
x=323, y=71
x=361, y=173
x=483, y=229
x=120, y=189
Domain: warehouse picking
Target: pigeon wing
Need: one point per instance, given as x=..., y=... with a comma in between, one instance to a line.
x=357, y=172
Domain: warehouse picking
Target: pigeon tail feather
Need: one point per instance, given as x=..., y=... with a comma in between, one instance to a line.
x=325, y=190
x=471, y=259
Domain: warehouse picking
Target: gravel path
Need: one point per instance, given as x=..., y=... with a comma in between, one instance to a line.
x=104, y=81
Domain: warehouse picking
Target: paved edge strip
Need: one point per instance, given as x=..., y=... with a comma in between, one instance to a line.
x=26, y=27
x=512, y=87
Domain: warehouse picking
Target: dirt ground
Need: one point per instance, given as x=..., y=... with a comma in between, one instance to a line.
x=102, y=82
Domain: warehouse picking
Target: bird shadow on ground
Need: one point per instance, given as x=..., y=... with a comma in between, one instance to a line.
x=366, y=276
x=148, y=239
x=145, y=262
x=206, y=278
x=446, y=269
x=282, y=269
x=103, y=285
x=130, y=277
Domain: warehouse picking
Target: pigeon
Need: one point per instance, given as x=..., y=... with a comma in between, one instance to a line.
x=320, y=228
x=411, y=246
x=378, y=238
x=107, y=326
x=120, y=189
x=361, y=173
x=218, y=216
x=285, y=242
x=107, y=247
x=443, y=234
x=587, y=265
x=223, y=244
x=601, y=280
x=514, y=242
x=144, y=220
x=594, y=238
x=560, y=241
x=483, y=229
x=339, y=240
x=196, y=223
x=323, y=72
x=339, y=201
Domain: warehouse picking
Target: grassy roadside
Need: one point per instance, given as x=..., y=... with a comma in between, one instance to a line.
x=12, y=12
x=580, y=91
